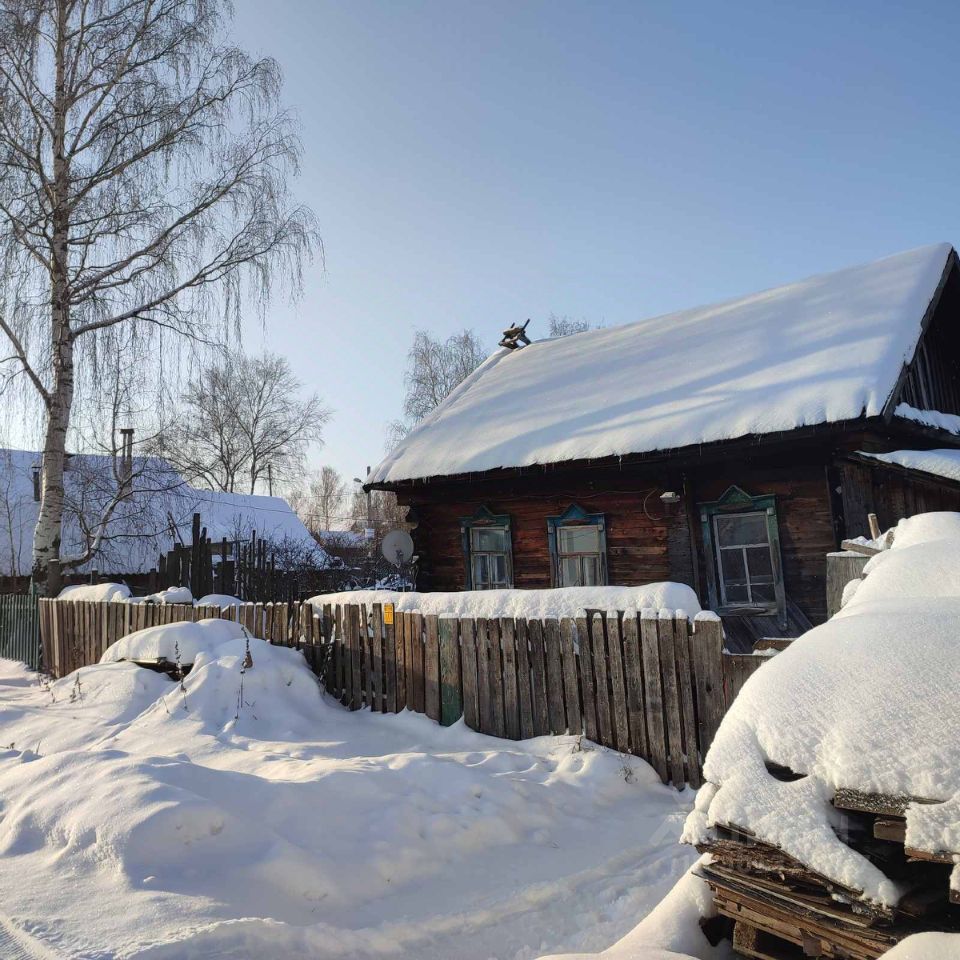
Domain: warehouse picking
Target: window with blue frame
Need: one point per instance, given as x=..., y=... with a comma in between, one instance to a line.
x=742, y=540
x=487, y=550
x=578, y=548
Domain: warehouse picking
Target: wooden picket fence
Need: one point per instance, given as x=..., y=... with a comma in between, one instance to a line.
x=655, y=688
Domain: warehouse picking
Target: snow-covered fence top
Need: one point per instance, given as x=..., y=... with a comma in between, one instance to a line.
x=655, y=684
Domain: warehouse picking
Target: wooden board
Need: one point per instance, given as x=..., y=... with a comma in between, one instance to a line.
x=376, y=655
x=524, y=689
x=390, y=659
x=451, y=700
x=571, y=679
x=495, y=681
x=431, y=667
x=653, y=697
x=621, y=726
x=417, y=647
x=511, y=701
x=633, y=677
x=598, y=651
x=538, y=679
x=671, y=701
x=468, y=673
x=551, y=644
x=400, y=636
x=358, y=632
x=484, y=694
x=588, y=694
x=685, y=684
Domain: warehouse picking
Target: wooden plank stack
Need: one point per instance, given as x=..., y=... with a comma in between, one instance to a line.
x=781, y=909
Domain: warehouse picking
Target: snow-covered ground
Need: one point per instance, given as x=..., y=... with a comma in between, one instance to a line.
x=142, y=819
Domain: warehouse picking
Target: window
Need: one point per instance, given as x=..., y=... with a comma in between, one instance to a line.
x=743, y=551
x=487, y=550
x=742, y=540
x=578, y=548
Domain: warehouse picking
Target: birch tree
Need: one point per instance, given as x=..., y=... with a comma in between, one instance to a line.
x=144, y=166
x=241, y=420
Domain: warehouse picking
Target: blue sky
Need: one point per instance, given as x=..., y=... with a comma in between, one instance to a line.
x=475, y=164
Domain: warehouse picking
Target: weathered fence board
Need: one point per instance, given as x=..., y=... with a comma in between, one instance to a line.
x=656, y=688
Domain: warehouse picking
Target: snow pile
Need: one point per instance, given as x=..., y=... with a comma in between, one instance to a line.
x=671, y=931
x=244, y=814
x=169, y=641
x=835, y=706
x=528, y=604
x=940, y=463
x=170, y=595
x=220, y=600
x=825, y=349
x=95, y=591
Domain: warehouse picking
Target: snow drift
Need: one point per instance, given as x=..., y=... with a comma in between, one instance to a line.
x=529, y=604
x=836, y=705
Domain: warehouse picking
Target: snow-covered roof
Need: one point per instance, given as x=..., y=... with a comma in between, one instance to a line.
x=940, y=463
x=821, y=350
x=141, y=526
x=948, y=422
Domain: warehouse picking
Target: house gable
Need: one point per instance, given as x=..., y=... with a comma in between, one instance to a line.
x=930, y=380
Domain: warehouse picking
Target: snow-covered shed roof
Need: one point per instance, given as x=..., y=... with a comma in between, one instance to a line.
x=939, y=463
x=825, y=349
x=141, y=525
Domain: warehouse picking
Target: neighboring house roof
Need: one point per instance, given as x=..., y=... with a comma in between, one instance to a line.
x=939, y=463
x=822, y=350
x=141, y=526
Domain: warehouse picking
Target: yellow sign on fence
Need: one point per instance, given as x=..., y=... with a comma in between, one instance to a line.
x=388, y=613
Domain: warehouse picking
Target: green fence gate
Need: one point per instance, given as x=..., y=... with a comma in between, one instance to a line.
x=20, y=628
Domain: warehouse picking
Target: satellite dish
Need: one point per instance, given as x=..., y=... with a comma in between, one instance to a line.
x=397, y=547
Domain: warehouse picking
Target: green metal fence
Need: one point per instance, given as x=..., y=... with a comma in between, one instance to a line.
x=20, y=628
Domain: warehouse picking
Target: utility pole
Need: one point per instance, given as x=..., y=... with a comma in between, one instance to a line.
x=370, y=532
x=270, y=478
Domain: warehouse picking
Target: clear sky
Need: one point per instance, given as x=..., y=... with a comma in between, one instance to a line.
x=475, y=164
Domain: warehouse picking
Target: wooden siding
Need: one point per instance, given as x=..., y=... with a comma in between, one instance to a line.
x=804, y=517
x=891, y=493
x=645, y=542
x=932, y=380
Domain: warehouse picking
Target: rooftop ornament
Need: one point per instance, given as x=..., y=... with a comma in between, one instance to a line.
x=515, y=336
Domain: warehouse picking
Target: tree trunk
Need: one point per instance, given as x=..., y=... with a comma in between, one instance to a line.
x=48, y=532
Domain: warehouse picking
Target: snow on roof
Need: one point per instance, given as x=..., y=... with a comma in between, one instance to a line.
x=940, y=463
x=835, y=707
x=821, y=350
x=531, y=604
x=949, y=422
x=141, y=525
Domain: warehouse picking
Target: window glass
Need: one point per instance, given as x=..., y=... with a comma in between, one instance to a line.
x=490, y=557
x=580, y=539
x=732, y=566
x=590, y=571
x=744, y=560
x=570, y=572
x=758, y=563
x=489, y=539
x=741, y=529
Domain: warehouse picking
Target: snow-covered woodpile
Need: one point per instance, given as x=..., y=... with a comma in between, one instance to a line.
x=831, y=815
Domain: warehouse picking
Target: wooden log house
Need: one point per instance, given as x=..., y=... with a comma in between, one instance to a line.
x=728, y=447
